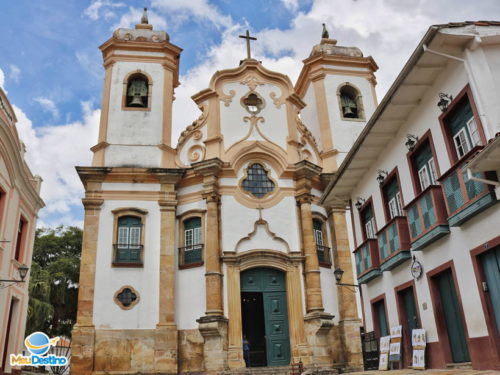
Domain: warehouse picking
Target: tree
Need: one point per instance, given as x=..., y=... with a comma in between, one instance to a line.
x=54, y=280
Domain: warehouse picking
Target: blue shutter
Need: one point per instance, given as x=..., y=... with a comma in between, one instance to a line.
x=414, y=221
x=428, y=211
x=393, y=238
x=474, y=188
x=382, y=245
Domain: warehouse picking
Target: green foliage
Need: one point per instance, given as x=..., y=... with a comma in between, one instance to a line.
x=54, y=280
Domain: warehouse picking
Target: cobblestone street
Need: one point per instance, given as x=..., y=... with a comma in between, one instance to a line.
x=427, y=372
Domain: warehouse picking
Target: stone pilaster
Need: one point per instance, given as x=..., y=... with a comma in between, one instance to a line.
x=213, y=326
x=349, y=322
x=235, y=333
x=83, y=343
x=317, y=323
x=166, y=335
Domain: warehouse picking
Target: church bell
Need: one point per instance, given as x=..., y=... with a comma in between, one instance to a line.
x=136, y=101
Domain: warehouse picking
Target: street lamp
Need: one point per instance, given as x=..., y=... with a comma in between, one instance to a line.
x=23, y=271
x=339, y=272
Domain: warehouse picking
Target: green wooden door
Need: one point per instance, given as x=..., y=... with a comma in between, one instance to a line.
x=411, y=318
x=491, y=267
x=272, y=284
x=452, y=317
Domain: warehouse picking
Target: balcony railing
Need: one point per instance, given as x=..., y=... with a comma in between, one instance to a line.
x=324, y=256
x=464, y=197
x=191, y=256
x=427, y=217
x=394, y=243
x=367, y=261
x=127, y=255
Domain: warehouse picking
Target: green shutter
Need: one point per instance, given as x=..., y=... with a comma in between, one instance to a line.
x=452, y=192
x=367, y=214
x=393, y=238
x=428, y=211
x=457, y=120
x=382, y=245
x=414, y=221
x=391, y=189
x=194, y=222
x=422, y=156
x=128, y=248
x=474, y=188
x=359, y=264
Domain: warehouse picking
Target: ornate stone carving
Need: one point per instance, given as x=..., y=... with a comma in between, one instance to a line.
x=227, y=98
x=277, y=101
x=196, y=153
x=252, y=82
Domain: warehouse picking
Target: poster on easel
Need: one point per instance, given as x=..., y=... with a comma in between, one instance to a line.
x=385, y=343
x=418, y=342
x=395, y=346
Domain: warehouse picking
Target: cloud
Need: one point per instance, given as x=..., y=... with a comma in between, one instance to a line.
x=291, y=5
x=201, y=9
x=15, y=73
x=133, y=17
x=52, y=152
x=102, y=8
x=2, y=79
x=49, y=106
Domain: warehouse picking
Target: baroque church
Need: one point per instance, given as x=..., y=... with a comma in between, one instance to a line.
x=192, y=249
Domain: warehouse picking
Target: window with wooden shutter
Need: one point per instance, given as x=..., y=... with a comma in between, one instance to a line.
x=393, y=197
x=128, y=243
x=368, y=221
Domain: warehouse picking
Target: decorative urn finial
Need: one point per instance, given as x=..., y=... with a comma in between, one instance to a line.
x=144, y=18
x=325, y=34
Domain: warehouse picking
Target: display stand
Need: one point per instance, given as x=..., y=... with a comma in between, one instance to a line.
x=419, y=343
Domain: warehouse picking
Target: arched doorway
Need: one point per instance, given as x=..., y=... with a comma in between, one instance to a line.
x=265, y=316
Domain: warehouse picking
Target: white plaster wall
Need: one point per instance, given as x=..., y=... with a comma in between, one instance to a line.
x=189, y=283
x=108, y=279
x=135, y=127
x=456, y=246
x=490, y=92
x=234, y=128
x=282, y=220
x=309, y=115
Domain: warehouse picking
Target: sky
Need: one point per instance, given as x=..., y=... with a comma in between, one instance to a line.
x=51, y=67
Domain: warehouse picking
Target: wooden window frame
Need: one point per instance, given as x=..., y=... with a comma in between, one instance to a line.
x=491, y=325
x=393, y=174
x=466, y=92
x=21, y=238
x=129, y=211
x=125, y=86
x=368, y=202
x=410, y=155
x=182, y=241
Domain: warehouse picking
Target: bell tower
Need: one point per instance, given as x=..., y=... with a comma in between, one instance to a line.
x=338, y=85
x=141, y=72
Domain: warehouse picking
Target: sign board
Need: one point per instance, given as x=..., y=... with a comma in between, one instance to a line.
x=385, y=343
x=418, y=342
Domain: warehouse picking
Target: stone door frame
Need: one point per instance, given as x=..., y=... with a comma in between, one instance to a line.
x=290, y=264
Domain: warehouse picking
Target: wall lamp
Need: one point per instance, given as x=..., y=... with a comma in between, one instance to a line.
x=381, y=175
x=359, y=202
x=339, y=272
x=23, y=271
x=444, y=100
x=411, y=140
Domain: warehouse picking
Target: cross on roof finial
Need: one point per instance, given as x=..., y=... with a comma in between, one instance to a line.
x=248, y=38
x=144, y=18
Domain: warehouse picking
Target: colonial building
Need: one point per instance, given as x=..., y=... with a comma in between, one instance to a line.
x=19, y=205
x=422, y=185
x=187, y=251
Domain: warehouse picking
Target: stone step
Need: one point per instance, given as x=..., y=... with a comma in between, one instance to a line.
x=459, y=366
x=281, y=370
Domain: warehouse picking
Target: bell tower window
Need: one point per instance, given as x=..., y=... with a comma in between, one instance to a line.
x=351, y=104
x=137, y=91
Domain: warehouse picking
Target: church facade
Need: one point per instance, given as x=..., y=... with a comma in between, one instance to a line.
x=190, y=251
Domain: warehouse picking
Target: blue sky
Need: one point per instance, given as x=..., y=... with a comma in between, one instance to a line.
x=50, y=65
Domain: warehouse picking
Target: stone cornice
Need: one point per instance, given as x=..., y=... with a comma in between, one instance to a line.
x=306, y=169
x=210, y=167
x=168, y=175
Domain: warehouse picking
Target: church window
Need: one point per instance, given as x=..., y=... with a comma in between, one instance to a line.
x=253, y=103
x=126, y=297
x=257, y=181
x=191, y=253
x=137, y=91
x=351, y=104
x=128, y=247
x=320, y=238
